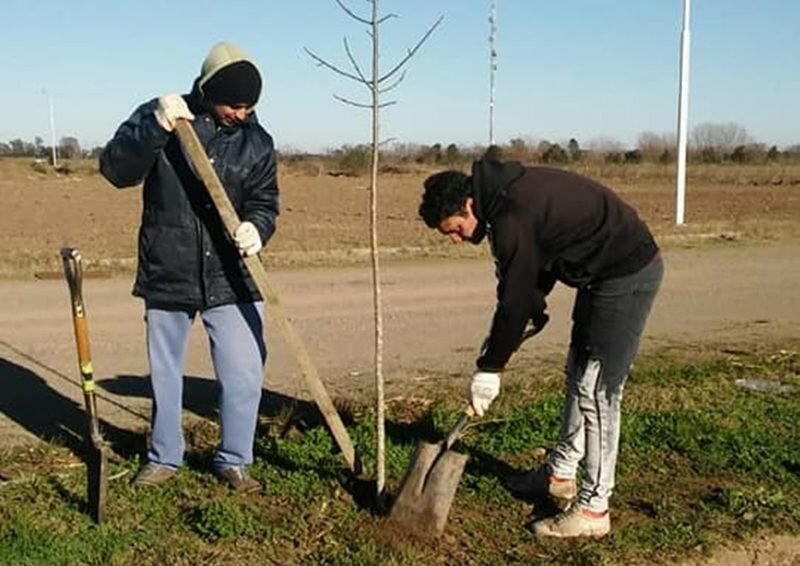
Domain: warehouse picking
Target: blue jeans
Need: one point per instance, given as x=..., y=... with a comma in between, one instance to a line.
x=607, y=323
x=238, y=352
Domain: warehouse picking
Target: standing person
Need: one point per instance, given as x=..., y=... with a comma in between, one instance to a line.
x=547, y=225
x=188, y=267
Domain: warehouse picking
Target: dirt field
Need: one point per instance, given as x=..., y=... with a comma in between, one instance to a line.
x=731, y=283
x=325, y=219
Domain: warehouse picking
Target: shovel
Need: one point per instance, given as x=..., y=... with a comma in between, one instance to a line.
x=429, y=486
x=96, y=474
x=196, y=154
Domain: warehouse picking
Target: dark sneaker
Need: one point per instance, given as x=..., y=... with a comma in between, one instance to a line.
x=575, y=522
x=541, y=482
x=238, y=479
x=153, y=474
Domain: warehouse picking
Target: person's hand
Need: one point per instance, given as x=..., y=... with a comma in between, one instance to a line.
x=247, y=239
x=170, y=109
x=483, y=389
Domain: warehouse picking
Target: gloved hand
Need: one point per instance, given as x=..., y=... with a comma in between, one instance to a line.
x=247, y=239
x=483, y=389
x=169, y=109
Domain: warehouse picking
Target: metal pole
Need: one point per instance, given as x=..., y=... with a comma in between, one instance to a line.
x=53, y=132
x=683, y=110
x=492, y=69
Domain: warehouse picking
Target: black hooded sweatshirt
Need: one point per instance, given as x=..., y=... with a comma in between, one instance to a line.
x=546, y=225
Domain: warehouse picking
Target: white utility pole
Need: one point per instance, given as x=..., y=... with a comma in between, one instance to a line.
x=53, y=132
x=492, y=69
x=683, y=110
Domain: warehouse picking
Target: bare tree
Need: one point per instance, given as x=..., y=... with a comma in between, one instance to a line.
x=719, y=137
x=653, y=145
x=377, y=84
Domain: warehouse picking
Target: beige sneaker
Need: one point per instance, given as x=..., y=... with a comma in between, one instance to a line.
x=541, y=482
x=573, y=522
x=153, y=474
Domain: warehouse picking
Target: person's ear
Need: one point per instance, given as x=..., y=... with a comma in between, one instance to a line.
x=468, y=206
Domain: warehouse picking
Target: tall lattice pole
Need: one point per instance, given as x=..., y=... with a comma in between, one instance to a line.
x=492, y=67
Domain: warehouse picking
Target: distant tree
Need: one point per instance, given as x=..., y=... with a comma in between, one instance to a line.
x=69, y=148
x=722, y=138
x=773, y=154
x=666, y=157
x=17, y=146
x=652, y=145
x=710, y=155
x=518, y=145
x=452, y=155
x=494, y=152
x=517, y=149
x=436, y=153
x=632, y=156
x=574, y=149
x=543, y=146
x=430, y=154
x=749, y=153
x=353, y=160
x=555, y=154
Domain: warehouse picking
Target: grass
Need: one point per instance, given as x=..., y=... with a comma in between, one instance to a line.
x=703, y=462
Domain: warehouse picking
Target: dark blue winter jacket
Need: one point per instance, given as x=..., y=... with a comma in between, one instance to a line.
x=186, y=258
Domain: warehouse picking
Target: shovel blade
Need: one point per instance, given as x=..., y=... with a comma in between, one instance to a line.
x=428, y=489
x=96, y=483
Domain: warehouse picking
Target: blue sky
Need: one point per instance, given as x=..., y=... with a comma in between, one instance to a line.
x=587, y=69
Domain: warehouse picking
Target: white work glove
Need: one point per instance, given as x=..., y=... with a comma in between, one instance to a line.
x=483, y=389
x=247, y=239
x=170, y=108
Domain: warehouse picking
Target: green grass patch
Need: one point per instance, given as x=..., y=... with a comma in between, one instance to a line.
x=703, y=461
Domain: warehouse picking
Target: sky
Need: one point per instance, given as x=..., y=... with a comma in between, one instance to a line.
x=585, y=69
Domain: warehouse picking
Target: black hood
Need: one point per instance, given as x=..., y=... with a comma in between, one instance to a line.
x=490, y=178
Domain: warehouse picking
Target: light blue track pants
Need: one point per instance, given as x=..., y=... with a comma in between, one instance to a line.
x=238, y=351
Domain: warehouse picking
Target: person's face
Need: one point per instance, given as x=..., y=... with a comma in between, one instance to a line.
x=231, y=115
x=461, y=226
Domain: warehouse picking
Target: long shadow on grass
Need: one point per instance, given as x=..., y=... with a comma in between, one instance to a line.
x=29, y=401
x=200, y=396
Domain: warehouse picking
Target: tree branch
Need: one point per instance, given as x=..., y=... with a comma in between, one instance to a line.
x=333, y=68
x=411, y=52
x=361, y=104
x=394, y=84
x=355, y=63
x=352, y=102
x=352, y=14
x=386, y=17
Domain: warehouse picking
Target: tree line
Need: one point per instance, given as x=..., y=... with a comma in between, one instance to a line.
x=68, y=147
x=709, y=143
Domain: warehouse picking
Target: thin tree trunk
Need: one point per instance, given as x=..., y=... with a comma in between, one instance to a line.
x=380, y=468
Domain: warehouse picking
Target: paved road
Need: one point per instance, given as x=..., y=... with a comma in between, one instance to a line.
x=435, y=313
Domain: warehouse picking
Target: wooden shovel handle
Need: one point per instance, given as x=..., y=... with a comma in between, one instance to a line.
x=196, y=153
x=73, y=272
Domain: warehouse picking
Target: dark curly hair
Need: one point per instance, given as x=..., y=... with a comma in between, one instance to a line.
x=445, y=195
